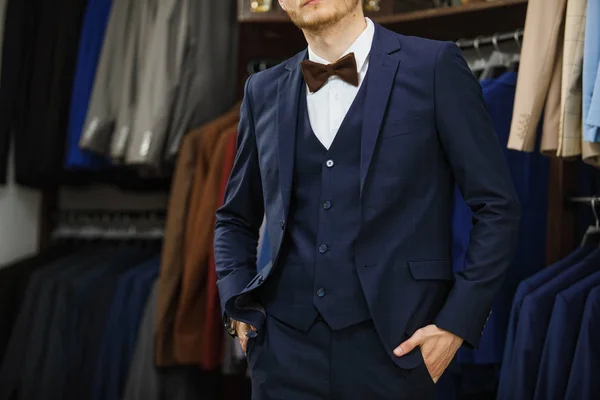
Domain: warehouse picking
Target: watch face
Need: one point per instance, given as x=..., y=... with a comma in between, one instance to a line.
x=230, y=327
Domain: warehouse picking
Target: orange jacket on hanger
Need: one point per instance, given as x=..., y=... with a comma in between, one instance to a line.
x=212, y=352
x=186, y=179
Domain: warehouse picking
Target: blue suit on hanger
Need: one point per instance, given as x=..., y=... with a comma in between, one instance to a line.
x=583, y=379
x=520, y=382
x=591, y=74
x=90, y=45
x=528, y=286
x=561, y=339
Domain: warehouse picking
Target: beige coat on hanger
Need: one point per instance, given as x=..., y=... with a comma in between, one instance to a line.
x=570, y=128
x=538, y=83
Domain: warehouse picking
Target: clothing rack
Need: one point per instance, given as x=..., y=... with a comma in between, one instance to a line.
x=585, y=199
x=113, y=225
x=480, y=41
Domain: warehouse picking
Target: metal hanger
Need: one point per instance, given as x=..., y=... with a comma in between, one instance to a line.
x=592, y=235
x=479, y=64
x=497, y=63
x=516, y=58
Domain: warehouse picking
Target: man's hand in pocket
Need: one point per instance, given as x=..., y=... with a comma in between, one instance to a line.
x=437, y=346
x=242, y=329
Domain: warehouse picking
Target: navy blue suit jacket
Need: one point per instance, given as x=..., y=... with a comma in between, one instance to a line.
x=561, y=339
x=583, y=380
x=536, y=311
x=425, y=128
x=526, y=287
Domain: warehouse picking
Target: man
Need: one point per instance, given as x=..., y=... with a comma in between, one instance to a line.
x=352, y=148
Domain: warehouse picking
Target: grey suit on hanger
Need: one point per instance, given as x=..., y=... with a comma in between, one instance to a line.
x=209, y=72
x=143, y=378
x=140, y=45
x=158, y=82
x=111, y=76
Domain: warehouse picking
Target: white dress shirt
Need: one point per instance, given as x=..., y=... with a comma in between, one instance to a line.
x=328, y=107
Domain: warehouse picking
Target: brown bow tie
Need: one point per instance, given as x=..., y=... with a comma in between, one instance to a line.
x=316, y=74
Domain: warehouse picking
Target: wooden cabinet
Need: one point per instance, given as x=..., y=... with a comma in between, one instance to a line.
x=269, y=10
x=259, y=11
x=416, y=17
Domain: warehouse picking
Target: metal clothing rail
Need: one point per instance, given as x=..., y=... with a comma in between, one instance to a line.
x=480, y=41
x=115, y=225
x=586, y=199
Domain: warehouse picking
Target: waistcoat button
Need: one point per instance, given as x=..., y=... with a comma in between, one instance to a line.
x=321, y=292
x=327, y=205
x=323, y=249
x=329, y=163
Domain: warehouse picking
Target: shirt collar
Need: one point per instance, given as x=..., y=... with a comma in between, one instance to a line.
x=361, y=47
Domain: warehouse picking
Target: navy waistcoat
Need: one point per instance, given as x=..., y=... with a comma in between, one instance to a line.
x=318, y=274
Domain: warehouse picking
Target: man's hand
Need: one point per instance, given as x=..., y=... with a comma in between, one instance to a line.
x=437, y=346
x=241, y=329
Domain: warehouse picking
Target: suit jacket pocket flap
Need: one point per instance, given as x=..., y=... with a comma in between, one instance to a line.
x=431, y=269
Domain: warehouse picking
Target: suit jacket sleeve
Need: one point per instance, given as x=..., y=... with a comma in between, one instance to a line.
x=239, y=219
x=473, y=152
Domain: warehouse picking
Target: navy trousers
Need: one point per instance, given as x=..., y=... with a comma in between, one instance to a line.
x=349, y=364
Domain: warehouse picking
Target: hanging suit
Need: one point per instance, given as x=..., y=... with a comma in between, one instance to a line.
x=110, y=79
x=90, y=46
x=561, y=339
x=14, y=363
x=143, y=377
x=157, y=85
x=583, y=379
x=539, y=82
x=124, y=319
x=13, y=285
x=569, y=133
x=591, y=74
x=22, y=21
x=208, y=80
x=531, y=332
x=173, y=254
x=526, y=287
x=212, y=349
x=191, y=313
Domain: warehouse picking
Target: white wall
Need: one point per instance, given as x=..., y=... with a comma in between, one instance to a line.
x=19, y=220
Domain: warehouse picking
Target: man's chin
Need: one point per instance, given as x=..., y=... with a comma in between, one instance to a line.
x=314, y=21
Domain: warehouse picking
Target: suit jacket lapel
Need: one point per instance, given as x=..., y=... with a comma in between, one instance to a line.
x=381, y=76
x=288, y=96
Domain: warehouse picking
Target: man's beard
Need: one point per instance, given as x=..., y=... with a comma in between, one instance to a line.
x=321, y=23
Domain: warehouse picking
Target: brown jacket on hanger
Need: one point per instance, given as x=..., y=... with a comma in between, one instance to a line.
x=212, y=351
x=174, y=249
x=193, y=296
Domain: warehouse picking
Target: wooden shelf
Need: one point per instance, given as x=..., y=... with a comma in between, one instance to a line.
x=466, y=21
x=433, y=14
x=451, y=12
x=277, y=15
